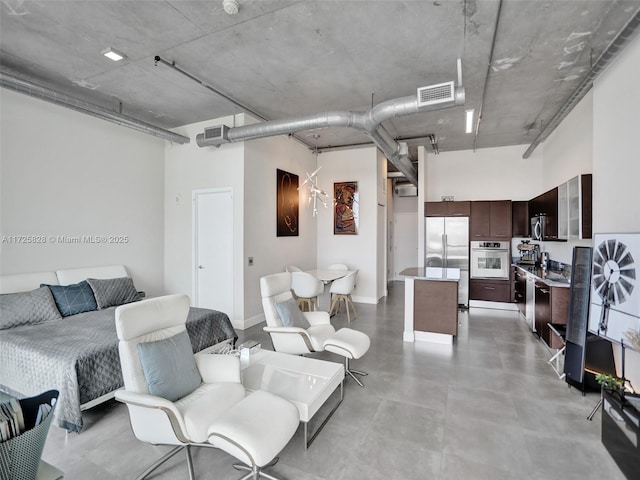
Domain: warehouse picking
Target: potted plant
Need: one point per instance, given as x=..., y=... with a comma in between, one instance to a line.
x=610, y=383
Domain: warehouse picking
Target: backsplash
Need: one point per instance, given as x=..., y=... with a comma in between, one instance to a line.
x=559, y=252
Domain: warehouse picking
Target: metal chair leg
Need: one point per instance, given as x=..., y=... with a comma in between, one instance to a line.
x=256, y=472
x=151, y=468
x=353, y=373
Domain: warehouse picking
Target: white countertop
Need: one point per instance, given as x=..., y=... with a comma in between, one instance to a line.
x=432, y=273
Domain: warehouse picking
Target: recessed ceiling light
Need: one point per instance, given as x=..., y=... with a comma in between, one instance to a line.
x=231, y=7
x=469, y=121
x=113, y=54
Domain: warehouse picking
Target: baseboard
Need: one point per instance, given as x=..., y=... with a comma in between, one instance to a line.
x=248, y=322
x=358, y=299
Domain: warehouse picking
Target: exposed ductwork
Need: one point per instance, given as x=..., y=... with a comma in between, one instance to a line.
x=27, y=87
x=607, y=56
x=368, y=122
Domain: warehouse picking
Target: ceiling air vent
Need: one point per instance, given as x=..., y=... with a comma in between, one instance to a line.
x=434, y=94
x=219, y=132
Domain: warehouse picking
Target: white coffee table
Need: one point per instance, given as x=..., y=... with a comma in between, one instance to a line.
x=307, y=382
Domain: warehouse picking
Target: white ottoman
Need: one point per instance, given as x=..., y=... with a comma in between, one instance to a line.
x=351, y=344
x=255, y=430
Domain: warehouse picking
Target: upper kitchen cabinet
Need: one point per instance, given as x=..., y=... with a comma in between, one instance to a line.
x=490, y=220
x=574, y=208
x=520, y=219
x=447, y=209
x=547, y=205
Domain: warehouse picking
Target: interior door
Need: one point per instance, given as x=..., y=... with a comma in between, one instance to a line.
x=213, y=250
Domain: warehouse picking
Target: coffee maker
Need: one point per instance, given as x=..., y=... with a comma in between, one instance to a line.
x=529, y=253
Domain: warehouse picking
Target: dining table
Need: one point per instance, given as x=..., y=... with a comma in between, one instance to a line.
x=327, y=276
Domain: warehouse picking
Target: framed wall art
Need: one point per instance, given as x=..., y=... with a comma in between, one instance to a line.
x=287, y=209
x=345, y=208
x=615, y=294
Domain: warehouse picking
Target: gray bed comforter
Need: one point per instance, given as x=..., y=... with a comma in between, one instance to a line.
x=78, y=356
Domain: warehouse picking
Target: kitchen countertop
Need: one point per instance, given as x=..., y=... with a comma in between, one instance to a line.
x=550, y=277
x=432, y=273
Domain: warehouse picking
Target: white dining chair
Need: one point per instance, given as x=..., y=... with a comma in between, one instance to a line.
x=341, y=289
x=292, y=268
x=306, y=288
x=338, y=266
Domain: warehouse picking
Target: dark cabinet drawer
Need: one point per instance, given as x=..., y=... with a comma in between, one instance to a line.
x=490, y=290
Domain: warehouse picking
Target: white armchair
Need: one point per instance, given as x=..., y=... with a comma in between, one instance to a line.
x=295, y=340
x=341, y=289
x=306, y=288
x=319, y=335
x=153, y=354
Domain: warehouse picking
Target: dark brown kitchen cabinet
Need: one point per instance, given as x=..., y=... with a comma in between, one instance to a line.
x=520, y=219
x=575, y=207
x=551, y=306
x=490, y=290
x=547, y=205
x=490, y=220
x=447, y=209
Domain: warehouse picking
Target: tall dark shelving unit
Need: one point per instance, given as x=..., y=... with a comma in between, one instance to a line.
x=585, y=353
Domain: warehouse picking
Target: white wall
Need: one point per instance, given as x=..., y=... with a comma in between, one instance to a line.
x=568, y=152
x=271, y=253
x=486, y=174
x=187, y=168
x=357, y=251
x=616, y=169
x=69, y=174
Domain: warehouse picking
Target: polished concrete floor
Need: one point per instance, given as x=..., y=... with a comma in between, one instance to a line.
x=489, y=407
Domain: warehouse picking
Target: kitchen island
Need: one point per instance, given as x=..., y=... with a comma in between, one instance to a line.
x=430, y=304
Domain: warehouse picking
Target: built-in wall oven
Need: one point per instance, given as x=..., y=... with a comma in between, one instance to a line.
x=490, y=260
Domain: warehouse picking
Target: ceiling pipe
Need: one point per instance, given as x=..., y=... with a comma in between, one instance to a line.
x=27, y=87
x=158, y=59
x=486, y=78
x=368, y=122
x=605, y=58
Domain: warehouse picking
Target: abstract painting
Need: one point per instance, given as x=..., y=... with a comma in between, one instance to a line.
x=287, y=204
x=346, y=208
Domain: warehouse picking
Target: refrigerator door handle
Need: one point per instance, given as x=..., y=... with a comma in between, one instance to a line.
x=444, y=251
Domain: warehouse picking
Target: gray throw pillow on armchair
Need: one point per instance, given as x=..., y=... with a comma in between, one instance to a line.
x=291, y=315
x=169, y=367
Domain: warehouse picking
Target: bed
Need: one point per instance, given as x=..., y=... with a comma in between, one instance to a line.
x=78, y=354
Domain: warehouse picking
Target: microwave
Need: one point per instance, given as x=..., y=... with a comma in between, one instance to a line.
x=537, y=227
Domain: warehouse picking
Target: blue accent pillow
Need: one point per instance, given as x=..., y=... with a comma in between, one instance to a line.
x=73, y=299
x=169, y=367
x=291, y=315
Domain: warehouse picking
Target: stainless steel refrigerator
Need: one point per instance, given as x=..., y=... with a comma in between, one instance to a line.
x=447, y=246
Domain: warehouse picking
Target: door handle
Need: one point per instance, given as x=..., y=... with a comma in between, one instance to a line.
x=200, y=267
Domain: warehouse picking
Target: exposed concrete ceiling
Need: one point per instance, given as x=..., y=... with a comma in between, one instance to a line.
x=286, y=58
